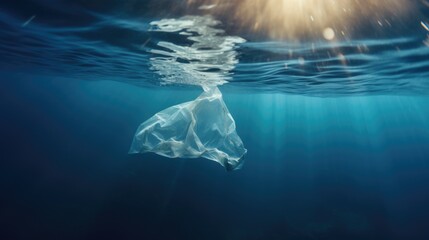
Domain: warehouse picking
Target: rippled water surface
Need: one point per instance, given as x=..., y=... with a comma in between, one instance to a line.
x=88, y=42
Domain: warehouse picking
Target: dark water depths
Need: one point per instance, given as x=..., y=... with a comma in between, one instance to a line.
x=337, y=133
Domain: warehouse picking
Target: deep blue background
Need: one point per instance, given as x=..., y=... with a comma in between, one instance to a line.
x=353, y=167
x=317, y=168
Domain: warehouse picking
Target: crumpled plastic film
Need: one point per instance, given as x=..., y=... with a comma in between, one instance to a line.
x=200, y=128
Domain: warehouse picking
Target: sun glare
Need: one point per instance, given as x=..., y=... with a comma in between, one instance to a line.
x=293, y=19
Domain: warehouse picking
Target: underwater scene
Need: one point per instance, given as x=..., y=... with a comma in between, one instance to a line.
x=214, y=119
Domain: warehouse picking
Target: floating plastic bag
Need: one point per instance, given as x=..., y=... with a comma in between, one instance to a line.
x=200, y=128
x=203, y=127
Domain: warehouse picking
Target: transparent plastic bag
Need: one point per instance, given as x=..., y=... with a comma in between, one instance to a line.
x=200, y=128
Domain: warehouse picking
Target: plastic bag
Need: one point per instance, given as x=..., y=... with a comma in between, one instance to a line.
x=200, y=128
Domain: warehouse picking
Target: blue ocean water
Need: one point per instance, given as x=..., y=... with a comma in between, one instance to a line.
x=337, y=132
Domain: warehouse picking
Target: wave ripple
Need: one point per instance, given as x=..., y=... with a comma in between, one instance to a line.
x=124, y=48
